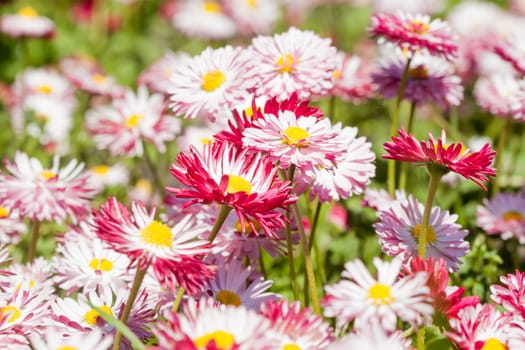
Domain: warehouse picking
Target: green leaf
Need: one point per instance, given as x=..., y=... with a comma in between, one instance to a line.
x=434, y=340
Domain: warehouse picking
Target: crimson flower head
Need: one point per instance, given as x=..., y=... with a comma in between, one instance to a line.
x=242, y=180
x=475, y=166
x=415, y=33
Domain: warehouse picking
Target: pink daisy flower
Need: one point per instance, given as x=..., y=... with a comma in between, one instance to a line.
x=174, y=252
x=27, y=23
x=246, y=182
x=431, y=80
x=212, y=83
x=415, y=33
x=297, y=328
x=353, y=79
x=504, y=214
x=251, y=16
x=363, y=298
x=46, y=194
x=455, y=157
x=11, y=226
x=510, y=295
x=157, y=76
x=78, y=341
x=373, y=336
x=498, y=94
x=399, y=227
x=411, y=6
x=123, y=126
x=513, y=50
x=293, y=62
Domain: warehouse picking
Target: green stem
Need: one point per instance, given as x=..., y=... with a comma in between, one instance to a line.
x=394, y=126
x=331, y=108
x=137, y=281
x=307, y=259
x=34, y=240
x=320, y=263
x=436, y=172
x=315, y=222
x=159, y=185
x=404, y=165
x=502, y=139
x=178, y=299
x=421, y=338
x=261, y=263
x=223, y=214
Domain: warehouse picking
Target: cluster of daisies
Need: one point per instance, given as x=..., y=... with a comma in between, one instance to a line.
x=181, y=265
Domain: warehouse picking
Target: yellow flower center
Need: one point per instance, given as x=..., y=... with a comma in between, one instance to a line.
x=144, y=186
x=156, y=233
x=337, y=74
x=431, y=234
x=206, y=141
x=28, y=11
x=418, y=27
x=11, y=309
x=212, y=7
x=252, y=3
x=286, y=63
x=512, y=215
x=45, y=89
x=380, y=294
x=247, y=228
x=42, y=117
x=133, y=120
x=295, y=135
x=66, y=347
x=238, y=184
x=101, y=265
x=227, y=297
x=4, y=212
x=100, y=169
x=494, y=344
x=291, y=347
x=31, y=284
x=48, y=174
x=92, y=315
x=98, y=78
x=418, y=73
x=223, y=340
x=212, y=80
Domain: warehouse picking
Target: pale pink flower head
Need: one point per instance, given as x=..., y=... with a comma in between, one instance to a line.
x=363, y=298
x=353, y=79
x=510, y=295
x=94, y=339
x=373, y=336
x=475, y=166
x=27, y=23
x=410, y=6
x=504, y=215
x=174, y=252
x=156, y=77
x=293, y=62
x=399, y=228
x=123, y=126
x=11, y=226
x=430, y=79
x=253, y=16
x=498, y=94
x=415, y=33
x=52, y=194
x=512, y=50
x=211, y=83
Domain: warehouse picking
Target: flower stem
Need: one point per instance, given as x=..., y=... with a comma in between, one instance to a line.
x=404, y=165
x=436, y=173
x=315, y=223
x=421, y=338
x=34, y=240
x=178, y=299
x=394, y=127
x=159, y=185
x=137, y=281
x=223, y=214
x=307, y=259
x=502, y=139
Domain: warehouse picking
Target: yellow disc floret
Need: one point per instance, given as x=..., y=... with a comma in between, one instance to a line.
x=92, y=315
x=12, y=310
x=431, y=234
x=238, y=184
x=28, y=11
x=228, y=297
x=133, y=120
x=380, y=294
x=223, y=340
x=494, y=344
x=213, y=80
x=101, y=265
x=295, y=135
x=156, y=233
x=286, y=63
x=512, y=215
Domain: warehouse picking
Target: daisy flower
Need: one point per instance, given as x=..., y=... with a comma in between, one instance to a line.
x=252, y=16
x=293, y=62
x=36, y=276
x=236, y=285
x=363, y=298
x=157, y=76
x=174, y=252
x=373, y=336
x=51, y=194
x=11, y=226
x=512, y=50
x=123, y=126
x=353, y=79
x=504, y=214
x=203, y=19
x=510, y=295
x=455, y=157
x=410, y=6
x=296, y=328
x=94, y=339
x=204, y=325
x=399, y=227
x=415, y=33
x=108, y=176
x=380, y=199
x=245, y=182
x=430, y=80
x=212, y=83
x=498, y=94
x=27, y=23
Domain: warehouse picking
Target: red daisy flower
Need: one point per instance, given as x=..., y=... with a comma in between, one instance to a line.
x=455, y=157
x=415, y=32
x=243, y=180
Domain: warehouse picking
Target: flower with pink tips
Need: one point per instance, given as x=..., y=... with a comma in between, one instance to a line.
x=353, y=79
x=512, y=50
x=475, y=166
x=246, y=182
x=156, y=77
x=504, y=214
x=362, y=298
x=51, y=194
x=27, y=23
x=295, y=61
x=253, y=17
x=373, y=336
x=499, y=94
x=510, y=294
x=415, y=32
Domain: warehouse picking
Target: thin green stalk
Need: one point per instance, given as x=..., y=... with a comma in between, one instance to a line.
x=394, y=126
x=261, y=263
x=331, y=108
x=34, y=240
x=502, y=139
x=421, y=338
x=178, y=299
x=315, y=223
x=404, y=165
x=319, y=262
x=137, y=281
x=436, y=172
x=223, y=214
x=307, y=259
x=159, y=184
